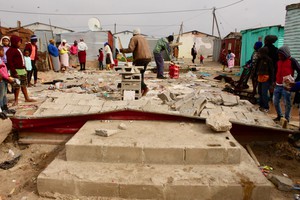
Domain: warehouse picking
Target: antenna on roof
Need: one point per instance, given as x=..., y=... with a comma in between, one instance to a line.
x=94, y=24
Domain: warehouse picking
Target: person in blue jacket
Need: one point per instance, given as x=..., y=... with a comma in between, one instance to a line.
x=54, y=55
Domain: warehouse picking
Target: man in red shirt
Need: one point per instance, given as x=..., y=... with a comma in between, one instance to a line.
x=286, y=66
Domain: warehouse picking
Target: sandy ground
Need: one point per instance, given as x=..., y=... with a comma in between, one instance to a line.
x=19, y=182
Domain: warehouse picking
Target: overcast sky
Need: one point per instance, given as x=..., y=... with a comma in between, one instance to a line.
x=161, y=18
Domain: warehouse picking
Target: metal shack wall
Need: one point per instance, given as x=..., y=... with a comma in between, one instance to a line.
x=94, y=40
x=249, y=37
x=292, y=29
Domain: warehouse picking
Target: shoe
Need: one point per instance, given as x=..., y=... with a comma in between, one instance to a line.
x=3, y=115
x=277, y=119
x=263, y=110
x=161, y=77
x=145, y=91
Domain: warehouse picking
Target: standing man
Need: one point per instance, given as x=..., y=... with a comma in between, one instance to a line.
x=82, y=48
x=33, y=49
x=162, y=44
x=139, y=46
x=286, y=65
x=194, y=52
x=53, y=51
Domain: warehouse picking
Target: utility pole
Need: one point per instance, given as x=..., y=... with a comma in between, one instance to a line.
x=215, y=21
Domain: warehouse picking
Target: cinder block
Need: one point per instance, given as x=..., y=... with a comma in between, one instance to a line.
x=229, y=192
x=121, y=154
x=179, y=192
x=141, y=191
x=210, y=155
x=83, y=153
x=164, y=155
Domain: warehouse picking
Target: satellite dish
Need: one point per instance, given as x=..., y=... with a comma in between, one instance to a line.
x=94, y=24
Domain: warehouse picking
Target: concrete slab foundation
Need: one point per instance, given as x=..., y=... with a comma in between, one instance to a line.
x=154, y=160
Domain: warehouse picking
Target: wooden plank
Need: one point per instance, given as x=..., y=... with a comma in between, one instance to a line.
x=252, y=155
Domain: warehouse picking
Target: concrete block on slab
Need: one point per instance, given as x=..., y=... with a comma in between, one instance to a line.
x=219, y=122
x=105, y=132
x=230, y=99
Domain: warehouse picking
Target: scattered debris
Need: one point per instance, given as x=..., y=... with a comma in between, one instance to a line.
x=10, y=163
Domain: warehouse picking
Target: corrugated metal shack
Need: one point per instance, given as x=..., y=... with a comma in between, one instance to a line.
x=233, y=42
x=94, y=40
x=292, y=29
x=250, y=36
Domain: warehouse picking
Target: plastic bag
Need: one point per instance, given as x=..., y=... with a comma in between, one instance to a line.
x=287, y=80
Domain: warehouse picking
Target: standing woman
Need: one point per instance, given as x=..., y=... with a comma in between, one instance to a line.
x=64, y=56
x=108, y=56
x=33, y=50
x=230, y=60
x=54, y=55
x=73, y=54
x=82, y=48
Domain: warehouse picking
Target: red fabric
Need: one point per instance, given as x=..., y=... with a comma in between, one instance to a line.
x=82, y=56
x=284, y=68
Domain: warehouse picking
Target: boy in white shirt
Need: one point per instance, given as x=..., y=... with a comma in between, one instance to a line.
x=28, y=66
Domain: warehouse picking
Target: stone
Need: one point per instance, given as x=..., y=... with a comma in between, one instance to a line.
x=105, y=132
x=199, y=105
x=122, y=126
x=219, y=122
x=282, y=183
x=230, y=100
x=165, y=96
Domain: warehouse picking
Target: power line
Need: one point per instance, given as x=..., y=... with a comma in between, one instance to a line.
x=104, y=14
x=229, y=5
x=115, y=14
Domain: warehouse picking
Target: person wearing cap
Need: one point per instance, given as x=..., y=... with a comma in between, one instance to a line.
x=74, y=54
x=82, y=48
x=33, y=50
x=286, y=66
x=139, y=46
x=162, y=44
x=64, y=48
x=53, y=51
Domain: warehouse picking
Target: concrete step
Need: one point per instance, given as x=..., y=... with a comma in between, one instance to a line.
x=153, y=181
x=153, y=142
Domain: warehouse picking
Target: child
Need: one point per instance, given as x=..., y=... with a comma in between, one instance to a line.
x=230, y=60
x=5, y=42
x=17, y=67
x=265, y=75
x=28, y=66
x=4, y=111
x=201, y=59
x=100, y=58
